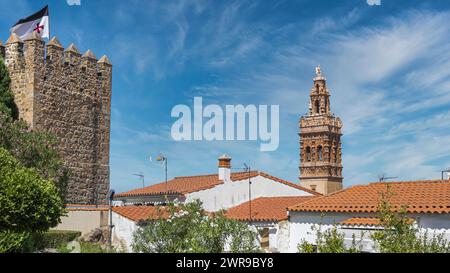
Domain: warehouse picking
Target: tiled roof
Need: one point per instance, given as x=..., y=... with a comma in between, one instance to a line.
x=189, y=184
x=266, y=208
x=361, y=222
x=76, y=207
x=365, y=221
x=417, y=196
x=140, y=213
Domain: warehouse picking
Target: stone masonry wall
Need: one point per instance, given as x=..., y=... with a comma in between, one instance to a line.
x=68, y=95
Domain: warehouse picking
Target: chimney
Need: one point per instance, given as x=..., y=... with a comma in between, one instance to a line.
x=225, y=168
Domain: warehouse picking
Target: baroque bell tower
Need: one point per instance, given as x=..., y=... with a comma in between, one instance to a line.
x=320, y=142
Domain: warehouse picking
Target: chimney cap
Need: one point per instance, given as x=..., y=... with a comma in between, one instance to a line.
x=225, y=161
x=224, y=156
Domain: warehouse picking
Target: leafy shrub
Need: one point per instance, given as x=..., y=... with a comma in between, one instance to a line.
x=29, y=204
x=57, y=238
x=186, y=228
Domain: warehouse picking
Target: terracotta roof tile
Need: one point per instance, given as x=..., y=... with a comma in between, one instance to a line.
x=189, y=184
x=266, y=208
x=366, y=221
x=418, y=196
x=140, y=213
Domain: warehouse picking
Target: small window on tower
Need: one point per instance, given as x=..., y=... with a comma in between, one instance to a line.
x=308, y=154
x=320, y=153
x=317, y=107
x=336, y=155
x=314, y=187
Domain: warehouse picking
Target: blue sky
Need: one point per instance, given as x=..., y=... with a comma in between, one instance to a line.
x=388, y=69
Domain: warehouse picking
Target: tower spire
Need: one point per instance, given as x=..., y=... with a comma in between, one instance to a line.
x=320, y=143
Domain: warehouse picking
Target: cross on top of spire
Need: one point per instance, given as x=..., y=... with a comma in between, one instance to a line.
x=318, y=70
x=319, y=75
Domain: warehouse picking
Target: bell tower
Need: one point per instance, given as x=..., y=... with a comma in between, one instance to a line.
x=320, y=142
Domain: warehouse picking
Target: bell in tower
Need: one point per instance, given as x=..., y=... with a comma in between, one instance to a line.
x=320, y=142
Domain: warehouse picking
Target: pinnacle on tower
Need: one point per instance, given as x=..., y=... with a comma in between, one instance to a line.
x=72, y=48
x=34, y=37
x=55, y=42
x=105, y=60
x=89, y=54
x=14, y=39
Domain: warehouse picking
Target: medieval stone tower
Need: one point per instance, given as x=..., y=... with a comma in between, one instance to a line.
x=320, y=142
x=68, y=95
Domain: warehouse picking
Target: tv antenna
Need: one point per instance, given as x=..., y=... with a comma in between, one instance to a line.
x=384, y=178
x=141, y=175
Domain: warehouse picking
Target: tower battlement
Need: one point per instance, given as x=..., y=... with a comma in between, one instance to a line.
x=68, y=94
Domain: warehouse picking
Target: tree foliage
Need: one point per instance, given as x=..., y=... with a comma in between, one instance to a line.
x=399, y=233
x=7, y=105
x=33, y=149
x=329, y=241
x=187, y=228
x=29, y=204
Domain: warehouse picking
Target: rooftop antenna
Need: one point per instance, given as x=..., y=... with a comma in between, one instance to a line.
x=384, y=178
x=141, y=175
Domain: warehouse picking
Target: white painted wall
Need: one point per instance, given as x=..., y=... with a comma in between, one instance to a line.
x=301, y=223
x=123, y=231
x=83, y=221
x=234, y=193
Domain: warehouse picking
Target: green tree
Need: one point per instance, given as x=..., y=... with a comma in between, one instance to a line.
x=187, y=228
x=29, y=204
x=7, y=105
x=33, y=149
x=329, y=241
x=401, y=235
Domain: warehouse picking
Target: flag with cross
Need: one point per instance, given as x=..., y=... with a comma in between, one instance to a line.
x=38, y=22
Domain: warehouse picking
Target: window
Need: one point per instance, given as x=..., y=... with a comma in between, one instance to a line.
x=308, y=154
x=317, y=107
x=313, y=187
x=320, y=153
x=336, y=155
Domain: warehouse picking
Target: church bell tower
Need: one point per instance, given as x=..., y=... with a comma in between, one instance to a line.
x=320, y=142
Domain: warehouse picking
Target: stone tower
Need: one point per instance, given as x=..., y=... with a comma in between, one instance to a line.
x=68, y=95
x=320, y=142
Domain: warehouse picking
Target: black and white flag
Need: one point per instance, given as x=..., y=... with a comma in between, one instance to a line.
x=38, y=22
